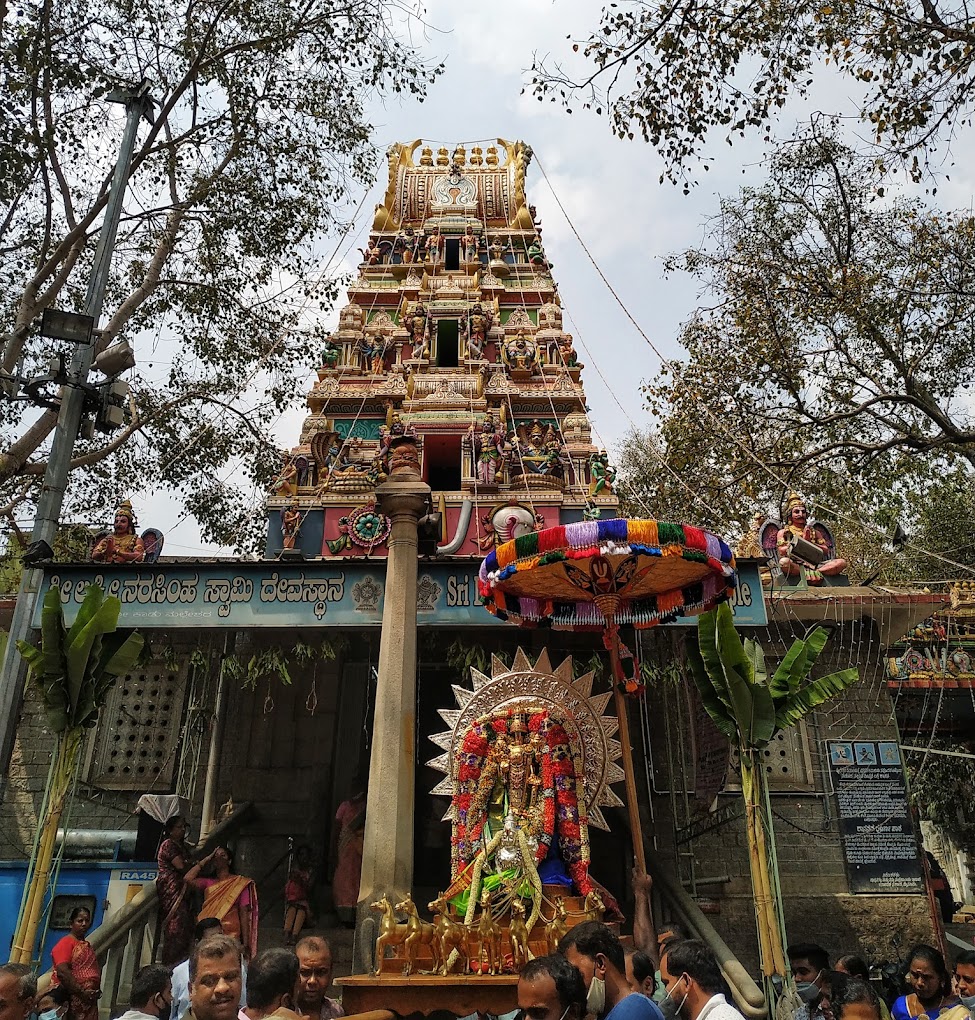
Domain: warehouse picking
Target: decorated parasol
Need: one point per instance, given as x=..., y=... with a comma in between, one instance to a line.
x=600, y=575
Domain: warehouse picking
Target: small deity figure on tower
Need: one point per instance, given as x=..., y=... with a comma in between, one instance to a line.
x=405, y=245
x=380, y=348
x=489, y=453
x=477, y=322
x=602, y=475
x=536, y=254
x=372, y=254
x=286, y=484
x=331, y=353
x=290, y=525
x=416, y=324
x=469, y=245
x=798, y=525
x=567, y=352
x=519, y=354
x=123, y=545
x=433, y=246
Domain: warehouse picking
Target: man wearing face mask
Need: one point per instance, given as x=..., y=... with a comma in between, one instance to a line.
x=692, y=977
x=965, y=983
x=810, y=971
x=598, y=954
x=152, y=994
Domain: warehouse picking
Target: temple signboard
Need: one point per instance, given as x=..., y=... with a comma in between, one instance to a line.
x=879, y=842
x=322, y=593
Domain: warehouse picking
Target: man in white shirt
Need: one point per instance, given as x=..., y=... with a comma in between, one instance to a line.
x=692, y=977
x=151, y=996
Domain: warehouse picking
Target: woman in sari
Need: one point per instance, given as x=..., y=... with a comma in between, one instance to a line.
x=230, y=898
x=174, y=894
x=76, y=968
x=351, y=817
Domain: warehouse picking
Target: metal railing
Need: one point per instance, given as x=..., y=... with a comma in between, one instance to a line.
x=125, y=941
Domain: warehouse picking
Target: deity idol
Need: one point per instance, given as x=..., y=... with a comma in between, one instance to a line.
x=123, y=545
x=797, y=524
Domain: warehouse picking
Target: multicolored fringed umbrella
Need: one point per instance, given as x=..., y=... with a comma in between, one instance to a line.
x=599, y=575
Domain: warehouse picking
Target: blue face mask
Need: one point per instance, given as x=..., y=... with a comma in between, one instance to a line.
x=48, y=1014
x=808, y=991
x=968, y=1001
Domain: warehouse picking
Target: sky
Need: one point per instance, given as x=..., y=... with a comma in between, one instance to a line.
x=609, y=189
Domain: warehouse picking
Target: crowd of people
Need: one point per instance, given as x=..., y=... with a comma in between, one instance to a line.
x=593, y=975
x=215, y=982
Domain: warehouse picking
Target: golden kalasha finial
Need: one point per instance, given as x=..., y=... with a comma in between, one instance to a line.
x=492, y=155
x=460, y=155
x=426, y=156
x=442, y=158
x=477, y=157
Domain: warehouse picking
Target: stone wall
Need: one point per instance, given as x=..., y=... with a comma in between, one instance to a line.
x=817, y=903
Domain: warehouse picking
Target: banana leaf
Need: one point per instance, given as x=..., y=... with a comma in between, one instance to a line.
x=814, y=694
x=797, y=663
x=711, y=661
x=713, y=705
x=82, y=646
x=729, y=644
x=757, y=656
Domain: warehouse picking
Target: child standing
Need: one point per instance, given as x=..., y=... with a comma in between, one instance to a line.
x=296, y=894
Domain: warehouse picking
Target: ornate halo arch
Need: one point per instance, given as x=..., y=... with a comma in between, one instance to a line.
x=570, y=702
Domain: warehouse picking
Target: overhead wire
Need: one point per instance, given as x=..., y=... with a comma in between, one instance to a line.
x=713, y=418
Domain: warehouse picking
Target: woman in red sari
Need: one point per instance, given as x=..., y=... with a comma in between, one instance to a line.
x=76, y=968
x=174, y=894
x=230, y=898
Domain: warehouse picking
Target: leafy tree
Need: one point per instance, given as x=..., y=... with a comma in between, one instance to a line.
x=749, y=707
x=834, y=357
x=943, y=788
x=259, y=138
x=673, y=73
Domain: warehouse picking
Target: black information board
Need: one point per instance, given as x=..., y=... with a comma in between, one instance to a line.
x=878, y=838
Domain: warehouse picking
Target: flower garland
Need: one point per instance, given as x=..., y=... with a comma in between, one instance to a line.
x=563, y=795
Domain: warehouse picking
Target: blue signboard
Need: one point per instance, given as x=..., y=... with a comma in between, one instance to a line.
x=318, y=593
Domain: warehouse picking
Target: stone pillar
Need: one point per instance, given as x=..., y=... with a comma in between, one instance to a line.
x=387, y=854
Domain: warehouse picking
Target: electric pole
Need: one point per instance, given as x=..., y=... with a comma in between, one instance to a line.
x=13, y=673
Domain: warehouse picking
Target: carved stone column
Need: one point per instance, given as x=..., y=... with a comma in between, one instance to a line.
x=387, y=855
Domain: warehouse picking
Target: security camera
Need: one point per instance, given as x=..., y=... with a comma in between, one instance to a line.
x=115, y=359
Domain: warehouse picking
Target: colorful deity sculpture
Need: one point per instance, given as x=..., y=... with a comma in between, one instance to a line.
x=536, y=254
x=477, y=322
x=331, y=354
x=290, y=525
x=123, y=545
x=489, y=451
x=416, y=324
x=468, y=245
x=519, y=354
x=286, y=484
x=602, y=475
x=798, y=525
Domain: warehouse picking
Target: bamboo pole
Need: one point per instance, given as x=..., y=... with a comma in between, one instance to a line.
x=68, y=752
x=632, y=805
x=766, y=915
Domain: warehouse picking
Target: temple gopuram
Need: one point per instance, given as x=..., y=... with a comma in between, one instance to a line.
x=500, y=778
x=453, y=333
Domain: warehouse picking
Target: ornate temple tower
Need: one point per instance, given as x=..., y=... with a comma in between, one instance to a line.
x=453, y=333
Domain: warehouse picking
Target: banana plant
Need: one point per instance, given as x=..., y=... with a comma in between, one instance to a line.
x=72, y=672
x=749, y=707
